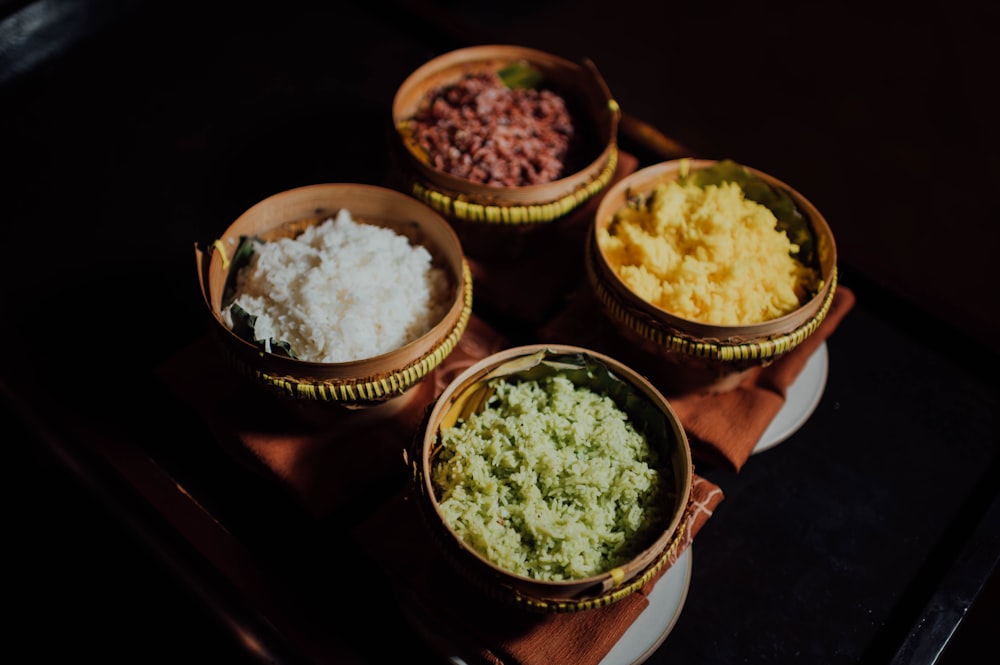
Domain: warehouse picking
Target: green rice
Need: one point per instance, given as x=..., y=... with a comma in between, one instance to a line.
x=550, y=481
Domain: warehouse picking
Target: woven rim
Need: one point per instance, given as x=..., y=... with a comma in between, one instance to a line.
x=670, y=340
x=497, y=590
x=614, y=595
x=513, y=597
x=370, y=389
x=458, y=207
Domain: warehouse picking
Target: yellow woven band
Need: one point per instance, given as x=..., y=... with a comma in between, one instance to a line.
x=613, y=596
x=721, y=351
x=457, y=207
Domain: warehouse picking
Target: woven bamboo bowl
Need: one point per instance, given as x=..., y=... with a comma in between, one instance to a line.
x=493, y=220
x=706, y=357
x=647, y=410
x=356, y=383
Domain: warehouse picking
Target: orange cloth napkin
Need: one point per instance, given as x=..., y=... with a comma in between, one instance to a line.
x=723, y=428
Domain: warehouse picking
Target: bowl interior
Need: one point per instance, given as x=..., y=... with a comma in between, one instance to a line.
x=645, y=407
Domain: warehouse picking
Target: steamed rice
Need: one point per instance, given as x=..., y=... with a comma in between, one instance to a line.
x=707, y=254
x=550, y=481
x=342, y=291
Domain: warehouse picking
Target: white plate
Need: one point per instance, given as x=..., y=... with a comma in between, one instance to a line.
x=649, y=629
x=801, y=400
x=654, y=623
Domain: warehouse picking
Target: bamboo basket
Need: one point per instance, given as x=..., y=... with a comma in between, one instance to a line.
x=647, y=409
x=501, y=221
x=705, y=357
x=357, y=383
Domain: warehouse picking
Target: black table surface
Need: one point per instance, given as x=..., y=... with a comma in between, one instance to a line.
x=132, y=130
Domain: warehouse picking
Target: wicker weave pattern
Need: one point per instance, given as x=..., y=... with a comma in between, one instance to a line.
x=459, y=207
x=496, y=589
x=671, y=341
x=613, y=596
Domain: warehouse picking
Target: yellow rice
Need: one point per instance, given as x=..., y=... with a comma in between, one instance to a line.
x=707, y=254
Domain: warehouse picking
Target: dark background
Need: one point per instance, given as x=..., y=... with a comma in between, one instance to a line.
x=179, y=115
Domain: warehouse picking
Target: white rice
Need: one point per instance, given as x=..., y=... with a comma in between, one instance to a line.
x=342, y=291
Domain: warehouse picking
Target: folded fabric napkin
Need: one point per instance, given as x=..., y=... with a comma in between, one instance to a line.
x=460, y=620
x=723, y=428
